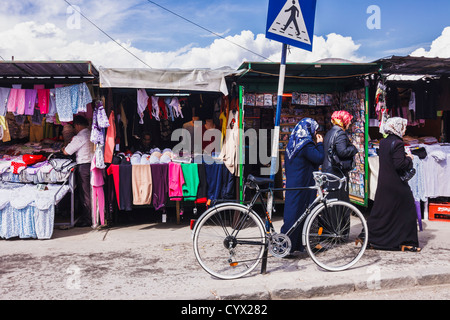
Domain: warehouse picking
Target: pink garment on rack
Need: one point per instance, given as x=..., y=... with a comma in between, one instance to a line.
x=43, y=100
x=176, y=181
x=96, y=174
x=12, y=100
x=98, y=199
x=20, y=101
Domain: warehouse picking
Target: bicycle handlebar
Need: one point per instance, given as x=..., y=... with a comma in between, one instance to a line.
x=323, y=177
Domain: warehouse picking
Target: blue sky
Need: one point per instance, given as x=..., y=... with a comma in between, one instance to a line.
x=39, y=29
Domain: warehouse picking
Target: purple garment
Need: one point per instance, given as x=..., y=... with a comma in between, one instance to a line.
x=160, y=182
x=30, y=101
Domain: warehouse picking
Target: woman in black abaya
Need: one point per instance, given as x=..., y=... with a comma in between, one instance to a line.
x=393, y=221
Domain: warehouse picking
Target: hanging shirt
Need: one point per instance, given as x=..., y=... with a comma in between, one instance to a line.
x=43, y=100
x=84, y=97
x=30, y=101
x=4, y=95
x=142, y=102
x=64, y=104
x=12, y=100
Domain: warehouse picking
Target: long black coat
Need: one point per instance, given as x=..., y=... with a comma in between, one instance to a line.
x=345, y=150
x=393, y=220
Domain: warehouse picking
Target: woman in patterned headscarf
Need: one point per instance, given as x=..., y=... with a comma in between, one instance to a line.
x=303, y=157
x=393, y=219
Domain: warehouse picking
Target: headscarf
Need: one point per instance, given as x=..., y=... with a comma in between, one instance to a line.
x=301, y=136
x=396, y=126
x=341, y=118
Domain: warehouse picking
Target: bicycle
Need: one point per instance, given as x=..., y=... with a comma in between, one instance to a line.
x=230, y=239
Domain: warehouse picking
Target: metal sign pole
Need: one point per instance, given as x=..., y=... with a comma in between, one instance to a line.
x=276, y=132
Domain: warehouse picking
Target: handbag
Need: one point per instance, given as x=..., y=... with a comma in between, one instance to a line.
x=405, y=175
x=344, y=165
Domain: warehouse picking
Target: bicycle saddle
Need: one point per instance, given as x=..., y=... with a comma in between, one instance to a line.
x=260, y=181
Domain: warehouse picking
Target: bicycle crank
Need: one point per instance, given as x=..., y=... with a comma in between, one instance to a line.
x=280, y=245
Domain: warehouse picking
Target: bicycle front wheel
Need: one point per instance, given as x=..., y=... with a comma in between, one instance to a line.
x=336, y=235
x=229, y=241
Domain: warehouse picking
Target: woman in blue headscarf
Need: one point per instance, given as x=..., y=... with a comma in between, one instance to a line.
x=303, y=157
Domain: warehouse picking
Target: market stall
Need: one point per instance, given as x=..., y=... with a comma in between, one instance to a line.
x=37, y=103
x=150, y=162
x=416, y=89
x=312, y=90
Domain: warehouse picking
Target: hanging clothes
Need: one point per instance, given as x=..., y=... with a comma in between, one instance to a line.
x=5, y=129
x=110, y=138
x=176, y=182
x=4, y=95
x=160, y=180
x=125, y=187
x=30, y=101
x=155, y=108
x=113, y=170
x=191, y=181
x=43, y=100
x=142, y=103
x=214, y=180
x=202, y=192
x=64, y=104
x=230, y=150
x=98, y=196
x=142, y=184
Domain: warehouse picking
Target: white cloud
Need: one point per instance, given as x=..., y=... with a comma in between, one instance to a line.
x=45, y=41
x=440, y=48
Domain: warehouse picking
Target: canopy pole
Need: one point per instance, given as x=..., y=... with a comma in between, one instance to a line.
x=276, y=132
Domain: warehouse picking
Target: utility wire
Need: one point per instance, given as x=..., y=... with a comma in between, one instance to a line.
x=107, y=34
x=210, y=31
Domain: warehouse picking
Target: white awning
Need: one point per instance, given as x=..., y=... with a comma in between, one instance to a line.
x=205, y=80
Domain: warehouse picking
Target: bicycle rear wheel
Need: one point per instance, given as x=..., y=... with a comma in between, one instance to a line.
x=229, y=241
x=336, y=236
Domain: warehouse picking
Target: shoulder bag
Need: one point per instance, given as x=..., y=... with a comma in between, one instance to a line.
x=405, y=175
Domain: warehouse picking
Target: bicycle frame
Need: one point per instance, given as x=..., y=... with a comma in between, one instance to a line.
x=269, y=226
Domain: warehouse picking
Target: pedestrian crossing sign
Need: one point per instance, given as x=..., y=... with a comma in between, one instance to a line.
x=292, y=22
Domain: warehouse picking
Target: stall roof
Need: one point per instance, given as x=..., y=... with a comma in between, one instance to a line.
x=54, y=71
x=197, y=80
x=415, y=66
x=323, y=69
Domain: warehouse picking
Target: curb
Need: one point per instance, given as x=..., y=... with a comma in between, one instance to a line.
x=339, y=286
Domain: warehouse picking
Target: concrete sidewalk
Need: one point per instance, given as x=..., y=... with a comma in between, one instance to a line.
x=156, y=262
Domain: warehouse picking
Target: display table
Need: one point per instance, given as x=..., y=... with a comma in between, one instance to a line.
x=28, y=212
